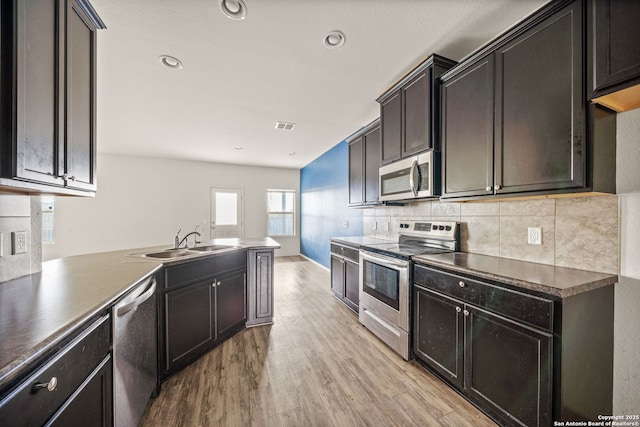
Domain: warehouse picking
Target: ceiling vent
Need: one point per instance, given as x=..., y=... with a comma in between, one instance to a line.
x=285, y=125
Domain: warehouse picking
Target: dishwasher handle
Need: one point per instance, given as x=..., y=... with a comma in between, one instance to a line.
x=124, y=309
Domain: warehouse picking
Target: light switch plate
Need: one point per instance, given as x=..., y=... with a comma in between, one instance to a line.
x=534, y=235
x=1, y=245
x=18, y=242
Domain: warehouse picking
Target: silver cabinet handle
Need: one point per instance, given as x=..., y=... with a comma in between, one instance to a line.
x=214, y=284
x=466, y=312
x=462, y=284
x=458, y=309
x=51, y=385
x=489, y=188
x=498, y=186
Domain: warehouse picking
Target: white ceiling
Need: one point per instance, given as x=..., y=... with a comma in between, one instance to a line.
x=240, y=77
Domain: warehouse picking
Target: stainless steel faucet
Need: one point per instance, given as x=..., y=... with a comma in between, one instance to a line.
x=177, y=242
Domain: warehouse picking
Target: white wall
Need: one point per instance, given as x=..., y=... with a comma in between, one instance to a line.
x=144, y=201
x=626, y=390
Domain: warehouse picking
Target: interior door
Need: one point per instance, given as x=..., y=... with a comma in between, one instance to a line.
x=226, y=213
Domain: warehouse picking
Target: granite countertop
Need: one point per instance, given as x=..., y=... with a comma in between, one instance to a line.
x=560, y=282
x=39, y=311
x=362, y=240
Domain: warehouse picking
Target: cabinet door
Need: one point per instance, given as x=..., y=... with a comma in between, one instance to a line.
x=615, y=47
x=189, y=322
x=391, y=118
x=356, y=171
x=91, y=404
x=508, y=368
x=264, y=286
x=351, y=284
x=416, y=97
x=231, y=302
x=372, y=165
x=540, y=114
x=337, y=276
x=80, y=147
x=438, y=333
x=38, y=130
x=467, y=131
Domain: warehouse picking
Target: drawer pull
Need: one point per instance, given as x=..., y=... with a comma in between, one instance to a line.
x=458, y=309
x=51, y=385
x=466, y=312
x=462, y=284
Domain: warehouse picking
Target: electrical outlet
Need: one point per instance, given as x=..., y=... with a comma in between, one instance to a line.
x=375, y=225
x=534, y=235
x=18, y=242
x=345, y=224
x=386, y=226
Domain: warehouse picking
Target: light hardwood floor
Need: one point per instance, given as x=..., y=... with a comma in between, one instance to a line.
x=315, y=366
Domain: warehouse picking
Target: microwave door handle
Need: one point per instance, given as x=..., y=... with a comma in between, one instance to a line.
x=413, y=177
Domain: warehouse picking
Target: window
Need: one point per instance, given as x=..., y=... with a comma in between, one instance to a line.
x=48, y=209
x=281, y=212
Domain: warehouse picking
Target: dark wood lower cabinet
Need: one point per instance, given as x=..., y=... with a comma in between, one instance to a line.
x=438, y=333
x=526, y=359
x=508, y=368
x=189, y=322
x=80, y=376
x=345, y=272
x=201, y=303
x=92, y=404
x=501, y=365
x=231, y=303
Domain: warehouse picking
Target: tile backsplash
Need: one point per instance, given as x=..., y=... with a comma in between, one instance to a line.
x=577, y=232
x=20, y=213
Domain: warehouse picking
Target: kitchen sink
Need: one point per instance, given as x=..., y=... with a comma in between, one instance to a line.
x=169, y=253
x=210, y=248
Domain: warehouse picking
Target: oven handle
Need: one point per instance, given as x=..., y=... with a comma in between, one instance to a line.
x=384, y=260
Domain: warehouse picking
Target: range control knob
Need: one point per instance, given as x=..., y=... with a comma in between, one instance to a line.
x=448, y=228
x=442, y=227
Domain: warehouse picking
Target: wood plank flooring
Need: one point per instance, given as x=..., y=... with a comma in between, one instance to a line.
x=315, y=366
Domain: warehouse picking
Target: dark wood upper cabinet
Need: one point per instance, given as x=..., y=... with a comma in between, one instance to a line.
x=364, y=162
x=408, y=111
x=614, y=53
x=356, y=171
x=540, y=114
x=47, y=116
x=391, y=113
x=467, y=131
x=517, y=123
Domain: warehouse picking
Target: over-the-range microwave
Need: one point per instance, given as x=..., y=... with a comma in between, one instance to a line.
x=411, y=178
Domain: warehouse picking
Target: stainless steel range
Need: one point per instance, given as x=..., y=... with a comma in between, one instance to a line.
x=385, y=278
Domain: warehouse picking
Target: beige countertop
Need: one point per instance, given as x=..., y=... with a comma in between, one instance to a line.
x=39, y=311
x=560, y=282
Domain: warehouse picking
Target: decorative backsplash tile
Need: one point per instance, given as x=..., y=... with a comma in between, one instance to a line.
x=578, y=232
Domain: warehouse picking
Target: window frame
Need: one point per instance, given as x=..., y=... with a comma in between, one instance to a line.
x=282, y=212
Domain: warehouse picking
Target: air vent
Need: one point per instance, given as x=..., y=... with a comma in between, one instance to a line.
x=285, y=125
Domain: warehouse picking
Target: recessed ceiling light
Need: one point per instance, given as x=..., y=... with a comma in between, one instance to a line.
x=238, y=148
x=334, y=39
x=234, y=9
x=170, y=61
x=293, y=153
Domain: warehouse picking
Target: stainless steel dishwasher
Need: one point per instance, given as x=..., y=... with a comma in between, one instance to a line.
x=134, y=352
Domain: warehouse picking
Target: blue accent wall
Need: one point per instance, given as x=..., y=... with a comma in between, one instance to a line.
x=324, y=199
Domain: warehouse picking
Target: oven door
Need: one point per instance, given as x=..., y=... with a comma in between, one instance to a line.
x=384, y=282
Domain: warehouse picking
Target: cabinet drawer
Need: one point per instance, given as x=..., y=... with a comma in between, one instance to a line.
x=346, y=251
x=71, y=366
x=529, y=309
x=198, y=270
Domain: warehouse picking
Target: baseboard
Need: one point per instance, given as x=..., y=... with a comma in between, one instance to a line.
x=315, y=262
